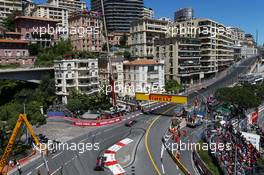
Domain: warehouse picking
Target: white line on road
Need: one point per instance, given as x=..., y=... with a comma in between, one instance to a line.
x=83, y=140
x=39, y=166
x=56, y=170
x=162, y=167
x=56, y=155
x=67, y=162
x=162, y=151
x=29, y=173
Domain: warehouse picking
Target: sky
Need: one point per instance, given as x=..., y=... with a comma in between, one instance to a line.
x=248, y=15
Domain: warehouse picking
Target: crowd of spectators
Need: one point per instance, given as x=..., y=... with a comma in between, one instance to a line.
x=247, y=155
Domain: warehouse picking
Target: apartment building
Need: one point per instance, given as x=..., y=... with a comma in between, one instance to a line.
x=36, y=29
x=238, y=34
x=119, y=14
x=114, y=38
x=9, y=6
x=76, y=74
x=249, y=40
x=148, y=13
x=15, y=51
x=169, y=20
x=117, y=69
x=28, y=7
x=71, y=5
x=217, y=52
x=88, y=31
x=182, y=59
x=143, y=75
x=50, y=11
x=143, y=32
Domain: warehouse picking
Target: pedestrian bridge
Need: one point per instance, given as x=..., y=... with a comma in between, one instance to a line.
x=26, y=74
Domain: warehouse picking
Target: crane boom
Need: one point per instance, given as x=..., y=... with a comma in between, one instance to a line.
x=22, y=118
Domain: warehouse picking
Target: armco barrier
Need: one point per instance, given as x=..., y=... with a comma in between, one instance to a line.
x=176, y=160
x=200, y=165
x=97, y=123
x=79, y=122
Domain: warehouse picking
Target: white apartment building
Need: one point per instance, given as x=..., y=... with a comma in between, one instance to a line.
x=76, y=74
x=143, y=75
x=71, y=5
x=148, y=13
x=217, y=52
x=143, y=33
x=53, y=12
x=8, y=6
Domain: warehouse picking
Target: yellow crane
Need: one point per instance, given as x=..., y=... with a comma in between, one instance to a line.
x=22, y=118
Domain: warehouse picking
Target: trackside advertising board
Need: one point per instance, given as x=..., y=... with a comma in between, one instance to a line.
x=162, y=98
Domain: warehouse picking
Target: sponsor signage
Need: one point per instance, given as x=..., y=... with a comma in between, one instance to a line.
x=252, y=138
x=162, y=98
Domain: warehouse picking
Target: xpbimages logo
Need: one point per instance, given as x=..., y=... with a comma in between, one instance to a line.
x=81, y=147
x=197, y=30
x=80, y=31
x=213, y=147
x=132, y=89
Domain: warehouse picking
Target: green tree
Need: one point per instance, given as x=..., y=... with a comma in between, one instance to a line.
x=243, y=97
x=34, y=49
x=123, y=40
x=9, y=21
x=74, y=105
x=46, y=56
x=127, y=55
x=173, y=86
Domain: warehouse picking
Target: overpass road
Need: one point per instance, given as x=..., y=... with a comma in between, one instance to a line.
x=149, y=158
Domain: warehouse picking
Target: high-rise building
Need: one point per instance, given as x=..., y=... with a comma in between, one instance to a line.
x=217, y=52
x=88, y=35
x=143, y=33
x=148, y=13
x=238, y=34
x=119, y=13
x=76, y=74
x=9, y=6
x=71, y=5
x=181, y=57
x=183, y=14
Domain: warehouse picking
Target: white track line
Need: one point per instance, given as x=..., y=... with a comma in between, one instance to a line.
x=56, y=155
x=39, y=166
x=56, y=170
